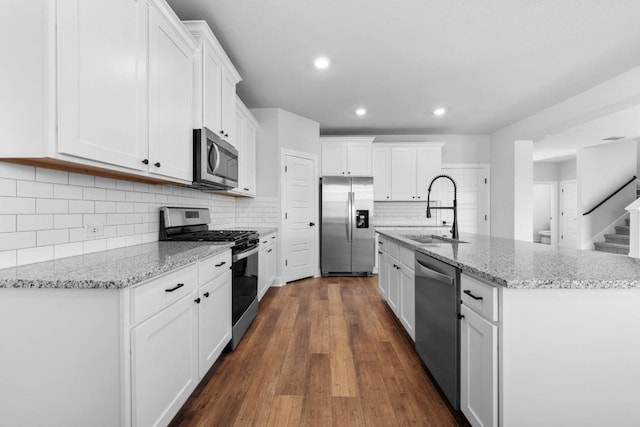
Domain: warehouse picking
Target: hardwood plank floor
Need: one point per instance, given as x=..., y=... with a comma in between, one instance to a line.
x=322, y=352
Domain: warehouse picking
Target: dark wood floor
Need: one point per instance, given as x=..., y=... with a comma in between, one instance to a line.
x=321, y=352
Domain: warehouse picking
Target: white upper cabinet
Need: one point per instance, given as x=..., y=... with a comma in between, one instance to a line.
x=403, y=171
x=246, y=131
x=171, y=52
x=101, y=81
x=349, y=156
x=108, y=88
x=215, y=84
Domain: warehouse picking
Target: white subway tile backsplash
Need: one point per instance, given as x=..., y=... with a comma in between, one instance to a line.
x=37, y=254
x=14, y=171
x=7, y=187
x=34, y=189
x=92, y=193
x=34, y=222
x=81, y=206
x=67, y=250
x=52, y=237
x=17, y=240
x=52, y=206
x=105, y=182
x=17, y=205
x=52, y=175
x=61, y=191
x=67, y=221
x=8, y=259
x=49, y=220
x=81, y=179
x=7, y=223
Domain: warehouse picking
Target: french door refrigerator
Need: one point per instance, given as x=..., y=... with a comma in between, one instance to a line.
x=347, y=235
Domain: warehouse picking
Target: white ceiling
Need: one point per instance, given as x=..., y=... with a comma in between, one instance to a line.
x=490, y=62
x=565, y=145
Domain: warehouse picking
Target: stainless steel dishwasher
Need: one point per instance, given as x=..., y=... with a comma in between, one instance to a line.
x=437, y=325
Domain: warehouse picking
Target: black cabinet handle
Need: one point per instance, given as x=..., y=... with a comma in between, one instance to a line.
x=311, y=224
x=380, y=252
x=175, y=288
x=206, y=294
x=221, y=264
x=273, y=237
x=387, y=197
x=381, y=243
x=349, y=173
x=145, y=161
x=197, y=300
x=222, y=132
x=460, y=316
x=246, y=189
x=468, y=292
x=413, y=197
x=156, y=164
x=265, y=241
x=269, y=250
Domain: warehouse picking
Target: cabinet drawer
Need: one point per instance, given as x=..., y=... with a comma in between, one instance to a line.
x=480, y=296
x=269, y=238
x=407, y=256
x=152, y=297
x=389, y=246
x=210, y=268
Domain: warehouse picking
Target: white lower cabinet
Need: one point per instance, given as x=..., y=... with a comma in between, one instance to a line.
x=393, y=289
x=214, y=320
x=164, y=362
x=266, y=263
x=478, y=359
x=408, y=299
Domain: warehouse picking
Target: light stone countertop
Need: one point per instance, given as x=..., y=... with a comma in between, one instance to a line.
x=111, y=269
x=523, y=265
x=262, y=231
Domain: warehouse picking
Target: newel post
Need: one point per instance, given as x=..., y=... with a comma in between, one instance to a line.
x=634, y=229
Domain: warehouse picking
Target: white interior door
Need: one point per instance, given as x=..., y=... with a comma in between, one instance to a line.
x=568, y=214
x=473, y=198
x=300, y=206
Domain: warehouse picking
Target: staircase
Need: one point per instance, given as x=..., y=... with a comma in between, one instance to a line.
x=617, y=243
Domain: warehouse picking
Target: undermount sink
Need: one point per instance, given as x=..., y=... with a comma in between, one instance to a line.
x=430, y=238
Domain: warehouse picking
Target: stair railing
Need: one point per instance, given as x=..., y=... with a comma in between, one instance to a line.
x=610, y=195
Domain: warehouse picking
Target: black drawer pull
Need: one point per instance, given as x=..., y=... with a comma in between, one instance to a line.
x=265, y=241
x=145, y=161
x=273, y=237
x=197, y=300
x=206, y=294
x=221, y=264
x=156, y=164
x=380, y=252
x=269, y=250
x=468, y=292
x=175, y=288
x=460, y=316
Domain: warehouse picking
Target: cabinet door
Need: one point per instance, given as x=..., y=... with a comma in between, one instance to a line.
x=239, y=144
x=212, y=90
x=228, y=109
x=393, y=290
x=334, y=158
x=407, y=300
x=359, y=159
x=428, y=166
x=382, y=174
x=214, y=320
x=164, y=362
x=403, y=174
x=262, y=272
x=101, y=80
x=383, y=274
x=170, y=100
x=478, y=369
x=249, y=147
x=271, y=265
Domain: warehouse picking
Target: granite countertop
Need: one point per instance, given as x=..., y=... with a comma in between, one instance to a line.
x=112, y=269
x=262, y=231
x=523, y=265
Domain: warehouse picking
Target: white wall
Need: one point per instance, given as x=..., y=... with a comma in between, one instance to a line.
x=611, y=96
x=567, y=170
x=600, y=171
x=457, y=148
x=546, y=171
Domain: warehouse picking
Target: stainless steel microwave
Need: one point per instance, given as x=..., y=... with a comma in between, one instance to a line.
x=215, y=162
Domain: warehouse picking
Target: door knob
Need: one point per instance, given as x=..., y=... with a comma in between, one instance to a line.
x=311, y=224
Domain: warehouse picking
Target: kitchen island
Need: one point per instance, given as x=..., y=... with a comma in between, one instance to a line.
x=566, y=327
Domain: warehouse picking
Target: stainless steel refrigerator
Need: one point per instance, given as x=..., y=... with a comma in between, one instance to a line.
x=347, y=236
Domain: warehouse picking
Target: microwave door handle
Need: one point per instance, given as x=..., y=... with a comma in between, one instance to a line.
x=215, y=169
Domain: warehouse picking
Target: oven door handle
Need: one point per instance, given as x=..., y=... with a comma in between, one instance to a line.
x=245, y=254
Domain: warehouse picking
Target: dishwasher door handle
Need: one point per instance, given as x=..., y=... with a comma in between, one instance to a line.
x=427, y=272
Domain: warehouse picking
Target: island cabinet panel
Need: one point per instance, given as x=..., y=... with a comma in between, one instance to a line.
x=407, y=309
x=214, y=320
x=101, y=80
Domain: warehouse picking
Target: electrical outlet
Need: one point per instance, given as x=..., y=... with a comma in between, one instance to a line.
x=93, y=230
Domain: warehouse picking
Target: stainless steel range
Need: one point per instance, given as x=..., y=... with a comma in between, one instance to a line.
x=192, y=224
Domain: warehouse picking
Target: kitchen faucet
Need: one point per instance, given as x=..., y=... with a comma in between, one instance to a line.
x=454, y=229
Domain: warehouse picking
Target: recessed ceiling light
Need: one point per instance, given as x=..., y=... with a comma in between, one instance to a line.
x=439, y=111
x=321, y=62
x=361, y=111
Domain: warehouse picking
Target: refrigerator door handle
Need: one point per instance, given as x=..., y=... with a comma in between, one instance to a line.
x=349, y=217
